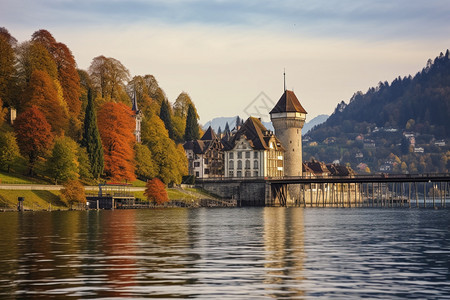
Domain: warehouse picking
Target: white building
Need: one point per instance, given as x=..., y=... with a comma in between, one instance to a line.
x=253, y=151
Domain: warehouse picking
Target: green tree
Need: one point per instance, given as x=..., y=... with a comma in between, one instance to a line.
x=145, y=166
x=191, y=131
x=84, y=166
x=170, y=160
x=9, y=150
x=91, y=139
x=165, y=116
x=62, y=165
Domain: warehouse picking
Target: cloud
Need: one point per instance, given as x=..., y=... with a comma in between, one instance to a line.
x=224, y=53
x=383, y=19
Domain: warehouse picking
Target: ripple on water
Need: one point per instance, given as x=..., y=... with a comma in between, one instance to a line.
x=233, y=253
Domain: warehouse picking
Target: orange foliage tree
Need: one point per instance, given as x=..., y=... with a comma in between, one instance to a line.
x=42, y=92
x=156, y=191
x=33, y=134
x=116, y=126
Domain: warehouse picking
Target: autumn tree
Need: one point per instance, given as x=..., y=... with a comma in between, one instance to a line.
x=91, y=139
x=73, y=193
x=116, y=126
x=165, y=116
x=42, y=92
x=9, y=150
x=156, y=191
x=181, y=105
x=108, y=77
x=7, y=69
x=34, y=56
x=142, y=88
x=192, y=130
x=33, y=134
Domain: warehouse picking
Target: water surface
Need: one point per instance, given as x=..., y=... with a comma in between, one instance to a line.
x=240, y=253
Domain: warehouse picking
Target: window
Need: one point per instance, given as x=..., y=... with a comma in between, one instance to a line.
x=255, y=154
x=239, y=154
x=206, y=161
x=197, y=164
x=239, y=173
x=247, y=164
x=255, y=164
x=230, y=174
x=239, y=165
x=248, y=174
x=206, y=171
x=231, y=164
x=247, y=154
x=231, y=155
x=255, y=174
x=197, y=174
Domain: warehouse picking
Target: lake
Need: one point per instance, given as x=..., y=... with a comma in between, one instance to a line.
x=232, y=253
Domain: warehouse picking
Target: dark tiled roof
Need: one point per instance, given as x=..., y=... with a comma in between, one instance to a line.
x=257, y=135
x=288, y=103
x=209, y=135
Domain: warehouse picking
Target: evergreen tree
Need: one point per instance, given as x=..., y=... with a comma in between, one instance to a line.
x=238, y=122
x=91, y=139
x=191, y=132
x=227, y=128
x=164, y=115
x=219, y=131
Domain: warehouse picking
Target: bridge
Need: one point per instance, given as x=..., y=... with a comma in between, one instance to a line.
x=431, y=190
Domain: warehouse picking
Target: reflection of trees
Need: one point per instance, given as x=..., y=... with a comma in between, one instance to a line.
x=284, y=248
x=8, y=252
x=113, y=248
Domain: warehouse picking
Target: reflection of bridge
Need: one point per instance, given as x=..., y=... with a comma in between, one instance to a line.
x=334, y=191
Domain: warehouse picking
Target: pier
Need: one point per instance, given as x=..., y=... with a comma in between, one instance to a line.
x=380, y=190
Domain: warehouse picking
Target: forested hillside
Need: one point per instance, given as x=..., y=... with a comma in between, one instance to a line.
x=61, y=123
x=402, y=126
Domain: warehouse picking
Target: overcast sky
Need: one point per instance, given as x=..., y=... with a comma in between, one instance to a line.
x=225, y=53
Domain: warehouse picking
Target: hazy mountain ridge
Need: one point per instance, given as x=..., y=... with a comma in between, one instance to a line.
x=221, y=122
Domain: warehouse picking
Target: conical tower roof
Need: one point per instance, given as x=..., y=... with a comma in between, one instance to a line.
x=288, y=103
x=209, y=135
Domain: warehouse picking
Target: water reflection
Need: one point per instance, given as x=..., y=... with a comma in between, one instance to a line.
x=284, y=248
x=237, y=253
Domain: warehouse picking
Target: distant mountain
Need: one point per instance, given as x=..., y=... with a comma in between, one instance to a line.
x=222, y=121
x=403, y=126
x=420, y=103
x=314, y=121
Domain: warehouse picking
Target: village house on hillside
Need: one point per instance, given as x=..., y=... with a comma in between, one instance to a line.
x=254, y=151
x=205, y=156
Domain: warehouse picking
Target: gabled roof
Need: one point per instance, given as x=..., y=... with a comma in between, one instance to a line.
x=209, y=135
x=288, y=103
x=257, y=135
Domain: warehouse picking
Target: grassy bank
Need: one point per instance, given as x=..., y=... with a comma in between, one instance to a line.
x=43, y=200
x=35, y=200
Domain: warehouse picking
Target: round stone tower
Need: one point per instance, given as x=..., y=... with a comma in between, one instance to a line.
x=288, y=117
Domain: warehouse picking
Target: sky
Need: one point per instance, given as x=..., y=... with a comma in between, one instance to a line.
x=229, y=56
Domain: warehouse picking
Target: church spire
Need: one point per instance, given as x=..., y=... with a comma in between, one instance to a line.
x=284, y=77
x=134, y=103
